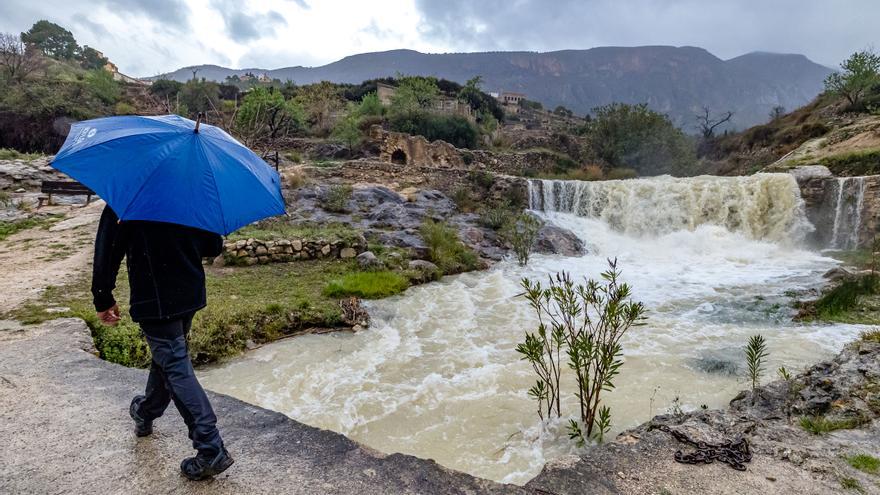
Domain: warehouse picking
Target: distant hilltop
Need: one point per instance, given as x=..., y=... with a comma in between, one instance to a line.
x=679, y=81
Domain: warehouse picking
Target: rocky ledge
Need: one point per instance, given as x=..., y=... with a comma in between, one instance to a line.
x=55, y=392
x=844, y=392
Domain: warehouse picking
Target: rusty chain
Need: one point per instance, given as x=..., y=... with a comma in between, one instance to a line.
x=734, y=453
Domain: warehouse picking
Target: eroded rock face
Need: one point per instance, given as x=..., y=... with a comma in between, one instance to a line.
x=556, y=240
x=395, y=219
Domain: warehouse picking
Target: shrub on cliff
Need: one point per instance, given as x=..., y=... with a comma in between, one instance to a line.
x=445, y=248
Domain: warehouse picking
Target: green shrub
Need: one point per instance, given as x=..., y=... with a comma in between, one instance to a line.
x=453, y=129
x=102, y=85
x=864, y=462
x=871, y=336
x=846, y=296
x=481, y=178
x=445, y=248
x=496, y=217
x=368, y=285
x=121, y=344
x=521, y=232
x=463, y=197
x=123, y=108
x=337, y=198
x=851, y=484
x=293, y=156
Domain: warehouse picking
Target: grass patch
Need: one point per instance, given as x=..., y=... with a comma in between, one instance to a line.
x=11, y=154
x=337, y=198
x=278, y=229
x=865, y=162
x=845, y=296
x=818, y=425
x=259, y=303
x=445, y=248
x=851, y=484
x=864, y=462
x=368, y=285
x=870, y=336
x=9, y=228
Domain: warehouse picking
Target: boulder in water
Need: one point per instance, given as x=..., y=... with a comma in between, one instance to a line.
x=727, y=361
x=556, y=240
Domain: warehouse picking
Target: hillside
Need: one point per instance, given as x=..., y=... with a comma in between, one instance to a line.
x=674, y=80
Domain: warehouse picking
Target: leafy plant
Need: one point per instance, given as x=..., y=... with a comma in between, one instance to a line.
x=445, y=249
x=521, y=233
x=846, y=296
x=336, y=198
x=861, y=71
x=756, y=352
x=584, y=324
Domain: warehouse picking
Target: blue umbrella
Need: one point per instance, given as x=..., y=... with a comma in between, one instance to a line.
x=171, y=169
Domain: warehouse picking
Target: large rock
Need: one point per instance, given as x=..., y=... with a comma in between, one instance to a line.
x=368, y=261
x=556, y=240
x=425, y=271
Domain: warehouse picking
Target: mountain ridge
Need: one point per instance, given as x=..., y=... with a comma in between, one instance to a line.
x=678, y=81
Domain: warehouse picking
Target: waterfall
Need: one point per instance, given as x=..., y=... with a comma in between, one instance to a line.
x=762, y=206
x=848, y=212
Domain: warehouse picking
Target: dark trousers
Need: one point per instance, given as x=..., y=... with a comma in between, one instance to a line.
x=172, y=378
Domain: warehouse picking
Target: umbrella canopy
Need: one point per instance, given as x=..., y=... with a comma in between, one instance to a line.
x=169, y=169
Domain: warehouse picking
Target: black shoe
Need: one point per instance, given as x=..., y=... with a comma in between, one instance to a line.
x=201, y=466
x=142, y=427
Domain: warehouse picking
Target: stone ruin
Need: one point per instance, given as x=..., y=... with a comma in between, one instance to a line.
x=402, y=149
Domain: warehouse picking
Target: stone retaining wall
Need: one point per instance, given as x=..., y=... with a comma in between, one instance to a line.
x=257, y=251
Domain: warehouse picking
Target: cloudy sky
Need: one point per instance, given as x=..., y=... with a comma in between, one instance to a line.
x=148, y=37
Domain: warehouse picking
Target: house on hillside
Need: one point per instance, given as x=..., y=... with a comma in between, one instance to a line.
x=119, y=76
x=443, y=104
x=510, y=100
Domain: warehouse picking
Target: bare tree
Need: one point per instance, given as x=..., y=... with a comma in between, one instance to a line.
x=707, y=123
x=777, y=112
x=17, y=59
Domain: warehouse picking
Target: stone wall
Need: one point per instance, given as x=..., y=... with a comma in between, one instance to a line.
x=257, y=251
x=403, y=149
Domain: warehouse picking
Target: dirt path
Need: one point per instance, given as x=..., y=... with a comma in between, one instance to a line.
x=65, y=428
x=36, y=258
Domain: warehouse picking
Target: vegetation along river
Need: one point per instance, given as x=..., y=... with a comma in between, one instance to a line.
x=715, y=260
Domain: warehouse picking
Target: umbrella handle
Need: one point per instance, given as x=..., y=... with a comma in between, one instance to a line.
x=198, y=121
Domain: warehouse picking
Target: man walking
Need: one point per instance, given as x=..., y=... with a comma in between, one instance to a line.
x=167, y=284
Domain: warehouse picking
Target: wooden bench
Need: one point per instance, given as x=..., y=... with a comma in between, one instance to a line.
x=67, y=188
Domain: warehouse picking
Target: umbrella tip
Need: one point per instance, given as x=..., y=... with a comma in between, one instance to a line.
x=198, y=121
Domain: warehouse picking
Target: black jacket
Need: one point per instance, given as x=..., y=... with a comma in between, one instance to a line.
x=164, y=263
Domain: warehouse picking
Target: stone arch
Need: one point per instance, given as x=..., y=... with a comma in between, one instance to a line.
x=398, y=157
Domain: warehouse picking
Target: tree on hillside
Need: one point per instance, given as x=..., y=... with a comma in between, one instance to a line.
x=635, y=136
x=17, y=60
x=860, y=72
x=776, y=113
x=199, y=96
x=265, y=115
x=348, y=131
x=707, y=123
x=52, y=39
x=91, y=58
x=414, y=93
x=320, y=101
x=483, y=105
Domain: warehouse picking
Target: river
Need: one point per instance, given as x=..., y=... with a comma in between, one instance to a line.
x=715, y=260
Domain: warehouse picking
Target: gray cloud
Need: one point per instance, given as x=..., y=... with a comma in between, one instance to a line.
x=822, y=31
x=173, y=14
x=242, y=27
x=302, y=4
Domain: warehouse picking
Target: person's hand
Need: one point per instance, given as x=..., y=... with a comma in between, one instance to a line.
x=110, y=317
